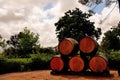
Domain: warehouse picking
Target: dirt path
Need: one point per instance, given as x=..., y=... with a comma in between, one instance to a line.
x=45, y=75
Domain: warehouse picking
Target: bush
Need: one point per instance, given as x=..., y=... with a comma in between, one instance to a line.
x=3, y=61
x=14, y=64
x=18, y=64
x=49, y=50
x=35, y=62
x=40, y=61
x=114, y=59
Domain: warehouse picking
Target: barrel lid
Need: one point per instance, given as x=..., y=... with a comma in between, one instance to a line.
x=76, y=64
x=66, y=46
x=56, y=63
x=98, y=64
x=87, y=45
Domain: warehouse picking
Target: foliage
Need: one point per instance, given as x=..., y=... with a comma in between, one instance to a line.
x=114, y=59
x=112, y=39
x=111, y=44
x=90, y=3
x=40, y=61
x=49, y=50
x=23, y=43
x=114, y=55
x=75, y=24
x=28, y=40
x=14, y=64
x=14, y=41
x=3, y=61
x=84, y=2
x=18, y=64
x=11, y=52
x=2, y=42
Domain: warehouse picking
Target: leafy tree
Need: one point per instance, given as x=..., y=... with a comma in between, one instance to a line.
x=97, y=2
x=14, y=41
x=75, y=24
x=24, y=42
x=112, y=39
x=2, y=42
x=28, y=40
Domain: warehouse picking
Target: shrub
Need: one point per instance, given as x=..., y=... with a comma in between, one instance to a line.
x=3, y=61
x=14, y=64
x=18, y=64
x=40, y=61
x=114, y=59
x=35, y=62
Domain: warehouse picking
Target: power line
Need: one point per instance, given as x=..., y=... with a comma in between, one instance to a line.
x=108, y=14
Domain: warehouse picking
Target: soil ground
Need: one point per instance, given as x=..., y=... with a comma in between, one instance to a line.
x=46, y=75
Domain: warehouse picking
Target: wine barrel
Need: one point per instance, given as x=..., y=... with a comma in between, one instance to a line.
x=76, y=64
x=88, y=46
x=68, y=46
x=119, y=70
x=98, y=64
x=57, y=64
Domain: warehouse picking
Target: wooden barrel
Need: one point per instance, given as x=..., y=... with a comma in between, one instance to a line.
x=57, y=64
x=88, y=46
x=76, y=64
x=98, y=64
x=68, y=46
x=119, y=71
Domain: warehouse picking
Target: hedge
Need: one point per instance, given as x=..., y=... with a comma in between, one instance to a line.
x=35, y=62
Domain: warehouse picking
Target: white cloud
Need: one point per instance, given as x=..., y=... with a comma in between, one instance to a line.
x=107, y=19
x=17, y=14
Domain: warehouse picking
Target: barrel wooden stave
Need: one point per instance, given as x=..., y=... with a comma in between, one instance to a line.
x=68, y=46
x=56, y=63
x=76, y=64
x=98, y=64
x=88, y=46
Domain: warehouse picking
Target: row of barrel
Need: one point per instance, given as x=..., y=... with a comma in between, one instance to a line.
x=79, y=56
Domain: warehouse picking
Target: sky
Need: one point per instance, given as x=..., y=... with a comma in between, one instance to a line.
x=39, y=16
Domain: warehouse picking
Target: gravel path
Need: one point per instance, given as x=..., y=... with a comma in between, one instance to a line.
x=45, y=75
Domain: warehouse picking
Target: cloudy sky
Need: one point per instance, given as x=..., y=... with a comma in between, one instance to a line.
x=40, y=15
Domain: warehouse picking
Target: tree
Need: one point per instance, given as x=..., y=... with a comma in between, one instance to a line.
x=24, y=42
x=111, y=40
x=75, y=24
x=28, y=40
x=14, y=41
x=2, y=42
x=97, y=2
